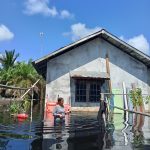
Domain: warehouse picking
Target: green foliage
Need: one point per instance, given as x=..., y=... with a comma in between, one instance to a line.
x=15, y=107
x=8, y=59
x=138, y=139
x=6, y=76
x=147, y=99
x=19, y=74
x=19, y=106
x=136, y=97
x=25, y=74
x=16, y=136
x=26, y=105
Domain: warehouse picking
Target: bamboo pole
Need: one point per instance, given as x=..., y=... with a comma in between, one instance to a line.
x=30, y=88
x=12, y=87
x=122, y=94
x=31, y=105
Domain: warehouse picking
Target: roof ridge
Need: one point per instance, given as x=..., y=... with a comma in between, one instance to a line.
x=107, y=36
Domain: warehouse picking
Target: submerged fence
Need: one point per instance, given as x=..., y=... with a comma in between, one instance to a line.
x=104, y=99
x=23, y=95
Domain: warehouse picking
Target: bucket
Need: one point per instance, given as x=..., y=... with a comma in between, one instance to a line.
x=50, y=106
x=22, y=116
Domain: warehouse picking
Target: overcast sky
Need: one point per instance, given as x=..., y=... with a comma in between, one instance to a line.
x=35, y=28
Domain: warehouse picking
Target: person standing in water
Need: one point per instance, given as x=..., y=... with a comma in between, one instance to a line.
x=59, y=110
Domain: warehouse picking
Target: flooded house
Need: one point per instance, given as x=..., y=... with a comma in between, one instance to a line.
x=98, y=63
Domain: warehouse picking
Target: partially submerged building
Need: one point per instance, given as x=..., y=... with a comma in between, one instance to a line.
x=98, y=63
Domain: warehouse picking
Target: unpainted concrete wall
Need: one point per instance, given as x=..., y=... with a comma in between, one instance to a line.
x=91, y=57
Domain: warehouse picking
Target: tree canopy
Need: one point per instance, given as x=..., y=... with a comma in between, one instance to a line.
x=8, y=59
x=19, y=74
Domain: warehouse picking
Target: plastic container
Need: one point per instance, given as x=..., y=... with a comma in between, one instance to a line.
x=50, y=106
x=22, y=116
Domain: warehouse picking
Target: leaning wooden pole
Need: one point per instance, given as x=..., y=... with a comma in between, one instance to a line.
x=108, y=72
x=30, y=89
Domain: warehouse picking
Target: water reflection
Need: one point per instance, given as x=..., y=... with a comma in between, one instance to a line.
x=89, y=134
x=80, y=131
x=3, y=144
x=109, y=138
x=138, y=135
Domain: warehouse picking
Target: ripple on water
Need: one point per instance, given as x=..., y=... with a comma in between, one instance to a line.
x=80, y=131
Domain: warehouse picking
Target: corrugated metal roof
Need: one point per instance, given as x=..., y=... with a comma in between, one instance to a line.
x=41, y=64
x=89, y=74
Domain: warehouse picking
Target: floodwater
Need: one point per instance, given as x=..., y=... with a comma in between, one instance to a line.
x=80, y=131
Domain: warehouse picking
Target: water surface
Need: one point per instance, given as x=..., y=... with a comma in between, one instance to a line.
x=80, y=131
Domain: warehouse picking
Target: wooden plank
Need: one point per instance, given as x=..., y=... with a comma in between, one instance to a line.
x=108, y=72
x=12, y=87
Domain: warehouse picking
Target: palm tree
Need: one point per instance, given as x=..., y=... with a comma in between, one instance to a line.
x=19, y=74
x=8, y=59
x=25, y=75
x=6, y=76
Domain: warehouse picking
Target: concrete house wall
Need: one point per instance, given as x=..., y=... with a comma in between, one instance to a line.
x=91, y=57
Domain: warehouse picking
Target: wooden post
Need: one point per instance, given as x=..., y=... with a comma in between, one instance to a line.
x=101, y=100
x=125, y=96
x=108, y=72
x=102, y=96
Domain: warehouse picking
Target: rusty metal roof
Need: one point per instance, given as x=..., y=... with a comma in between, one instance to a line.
x=41, y=64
